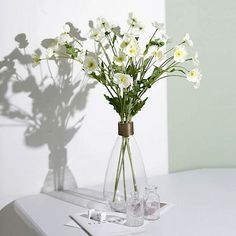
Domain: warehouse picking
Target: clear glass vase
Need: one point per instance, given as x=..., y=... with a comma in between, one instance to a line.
x=125, y=171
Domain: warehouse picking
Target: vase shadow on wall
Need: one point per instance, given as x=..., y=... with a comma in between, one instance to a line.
x=55, y=115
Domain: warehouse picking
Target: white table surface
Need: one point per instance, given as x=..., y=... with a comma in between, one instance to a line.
x=204, y=199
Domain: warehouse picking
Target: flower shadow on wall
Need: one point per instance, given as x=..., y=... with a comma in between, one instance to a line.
x=55, y=113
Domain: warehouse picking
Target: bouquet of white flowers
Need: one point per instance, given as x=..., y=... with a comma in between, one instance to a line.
x=127, y=70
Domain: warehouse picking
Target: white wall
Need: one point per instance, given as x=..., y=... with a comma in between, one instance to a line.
x=23, y=169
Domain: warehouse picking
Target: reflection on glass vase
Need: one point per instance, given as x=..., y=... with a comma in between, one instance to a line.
x=125, y=171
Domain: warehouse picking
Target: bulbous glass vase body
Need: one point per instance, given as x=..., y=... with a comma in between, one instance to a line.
x=125, y=173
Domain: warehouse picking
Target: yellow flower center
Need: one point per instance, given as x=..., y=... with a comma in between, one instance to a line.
x=132, y=50
x=192, y=73
x=122, y=79
x=157, y=54
x=179, y=53
x=120, y=59
x=124, y=44
x=91, y=65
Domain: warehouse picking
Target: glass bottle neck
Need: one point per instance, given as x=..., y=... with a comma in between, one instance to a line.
x=151, y=189
x=125, y=129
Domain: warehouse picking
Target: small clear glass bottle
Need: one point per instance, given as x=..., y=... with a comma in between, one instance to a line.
x=134, y=210
x=151, y=203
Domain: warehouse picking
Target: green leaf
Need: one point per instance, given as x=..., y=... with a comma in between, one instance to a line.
x=132, y=71
x=114, y=39
x=73, y=52
x=101, y=78
x=146, y=61
x=157, y=72
x=156, y=42
x=115, y=102
x=182, y=71
x=138, y=106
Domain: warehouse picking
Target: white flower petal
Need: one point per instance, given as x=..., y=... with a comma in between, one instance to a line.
x=97, y=34
x=120, y=59
x=180, y=54
x=123, y=80
x=64, y=38
x=159, y=54
x=159, y=26
x=195, y=77
x=133, y=49
x=188, y=40
x=132, y=20
x=102, y=23
x=36, y=60
x=49, y=53
x=66, y=28
x=195, y=59
x=90, y=64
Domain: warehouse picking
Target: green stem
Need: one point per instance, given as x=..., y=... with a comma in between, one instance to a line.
x=131, y=165
x=118, y=170
x=153, y=35
x=112, y=46
x=109, y=90
x=106, y=55
x=124, y=184
x=121, y=168
x=166, y=61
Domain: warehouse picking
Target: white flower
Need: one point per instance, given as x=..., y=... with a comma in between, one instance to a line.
x=126, y=40
x=188, y=40
x=140, y=26
x=158, y=54
x=195, y=59
x=102, y=23
x=132, y=20
x=66, y=28
x=163, y=37
x=90, y=64
x=120, y=59
x=161, y=31
x=180, y=54
x=96, y=34
x=49, y=53
x=124, y=43
x=133, y=49
x=195, y=77
x=197, y=84
x=64, y=38
x=134, y=23
x=159, y=26
x=36, y=60
x=123, y=81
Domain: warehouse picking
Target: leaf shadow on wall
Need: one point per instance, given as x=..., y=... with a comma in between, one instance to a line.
x=55, y=113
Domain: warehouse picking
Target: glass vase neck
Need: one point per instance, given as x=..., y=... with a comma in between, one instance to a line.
x=125, y=129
